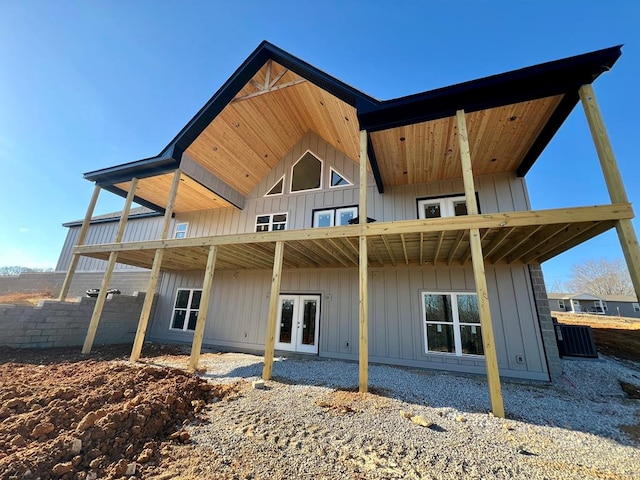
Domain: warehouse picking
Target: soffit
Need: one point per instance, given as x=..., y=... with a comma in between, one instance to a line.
x=499, y=139
x=265, y=120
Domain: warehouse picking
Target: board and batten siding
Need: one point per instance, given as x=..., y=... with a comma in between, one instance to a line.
x=240, y=302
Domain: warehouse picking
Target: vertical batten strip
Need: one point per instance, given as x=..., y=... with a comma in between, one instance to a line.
x=613, y=179
x=155, y=272
x=71, y=270
x=363, y=358
x=273, y=311
x=113, y=256
x=488, y=341
x=207, y=286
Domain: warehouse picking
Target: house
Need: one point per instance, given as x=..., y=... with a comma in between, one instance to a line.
x=302, y=215
x=611, y=305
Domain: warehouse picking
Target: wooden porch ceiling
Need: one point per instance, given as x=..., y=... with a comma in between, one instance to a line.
x=518, y=237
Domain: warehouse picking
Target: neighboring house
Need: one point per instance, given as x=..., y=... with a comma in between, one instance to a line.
x=273, y=182
x=612, y=305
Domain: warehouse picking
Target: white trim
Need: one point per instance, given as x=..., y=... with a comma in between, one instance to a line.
x=271, y=222
x=281, y=179
x=335, y=214
x=331, y=172
x=446, y=204
x=294, y=166
x=176, y=232
x=188, y=310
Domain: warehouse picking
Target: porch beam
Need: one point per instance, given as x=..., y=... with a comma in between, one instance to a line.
x=270, y=342
x=113, y=256
x=71, y=270
x=613, y=179
x=207, y=286
x=477, y=259
x=363, y=355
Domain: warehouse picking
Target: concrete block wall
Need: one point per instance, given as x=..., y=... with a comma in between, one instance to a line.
x=547, y=329
x=65, y=324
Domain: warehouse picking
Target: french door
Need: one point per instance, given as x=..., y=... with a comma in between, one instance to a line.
x=297, y=329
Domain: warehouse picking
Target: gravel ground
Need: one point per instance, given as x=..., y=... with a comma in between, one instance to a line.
x=308, y=423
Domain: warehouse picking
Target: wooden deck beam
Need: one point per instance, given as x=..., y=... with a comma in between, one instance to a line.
x=274, y=299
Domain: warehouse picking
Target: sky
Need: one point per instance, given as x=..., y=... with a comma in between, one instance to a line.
x=91, y=84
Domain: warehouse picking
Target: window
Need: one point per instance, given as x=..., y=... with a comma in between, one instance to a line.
x=636, y=307
x=271, y=222
x=561, y=304
x=306, y=174
x=604, y=305
x=442, y=207
x=452, y=323
x=277, y=189
x=334, y=217
x=185, y=309
x=337, y=179
x=181, y=230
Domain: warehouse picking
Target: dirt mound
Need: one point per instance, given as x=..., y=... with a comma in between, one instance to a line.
x=25, y=298
x=86, y=419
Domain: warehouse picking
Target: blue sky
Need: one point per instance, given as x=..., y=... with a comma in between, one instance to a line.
x=90, y=84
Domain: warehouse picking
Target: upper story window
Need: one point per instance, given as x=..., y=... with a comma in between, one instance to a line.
x=186, y=309
x=277, y=189
x=271, y=222
x=181, y=230
x=636, y=307
x=337, y=179
x=561, y=304
x=306, y=173
x=442, y=207
x=334, y=217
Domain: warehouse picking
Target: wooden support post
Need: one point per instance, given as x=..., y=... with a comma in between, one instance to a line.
x=71, y=270
x=207, y=286
x=363, y=358
x=273, y=311
x=613, y=179
x=155, y=273
x=102, y=296
x=477, y=259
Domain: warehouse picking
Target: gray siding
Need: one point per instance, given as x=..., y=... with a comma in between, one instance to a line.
x=239, y=306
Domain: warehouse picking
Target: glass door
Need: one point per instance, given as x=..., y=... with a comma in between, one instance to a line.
x=297, y=328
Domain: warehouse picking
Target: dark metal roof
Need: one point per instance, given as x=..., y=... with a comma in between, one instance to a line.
x=134, y=213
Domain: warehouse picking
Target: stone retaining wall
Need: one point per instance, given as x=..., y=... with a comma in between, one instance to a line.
x=64, y=324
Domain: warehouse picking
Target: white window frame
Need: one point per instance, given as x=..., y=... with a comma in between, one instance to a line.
x=177, y=231
x=281, y=179
x=331, y=172
x=271, y=222
x=457, y=336
x=187, y=310
x=447, y=205
x=335, y=213
x=561, y=304
x=636, y=306
x=321, y=174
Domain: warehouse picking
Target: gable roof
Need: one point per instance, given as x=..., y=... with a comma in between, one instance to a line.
x=273, y=98
x=134, y=213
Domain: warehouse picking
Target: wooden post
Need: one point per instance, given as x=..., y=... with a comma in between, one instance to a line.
x=613, y=179
x=207, y=286
x=81, y=236
x=488, y=341
x=155, y=273
x=273, y=311
x=102, y=296
x=363, y=358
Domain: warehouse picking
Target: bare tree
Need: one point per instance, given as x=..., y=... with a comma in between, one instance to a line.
x=601, y=277
x=15, y=270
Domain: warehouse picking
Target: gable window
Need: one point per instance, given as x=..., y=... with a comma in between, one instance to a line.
x=181, y=230
x=306, y=174
x=277, y=189
x=271, y=222
x=442, y=207
x=334, y=217
x=337, y=179
x=561, y=304
x=452, y=323
x=636, y=307
x=185, y=309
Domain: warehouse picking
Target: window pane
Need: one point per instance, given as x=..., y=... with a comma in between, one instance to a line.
x=278, y=226
x=309, y=323
x=460, y=208
x=286, y=322
x=277, y=188
x=344, y=215
x=263, y=219
x=306, y=173
x=440, y=338
x=280, y=217
x=178, y=319
x=337, y=179
x=182, y=299
x=468, y=311
x=262, y=228
x=471, y=338
x=323, y=219
x=437, y=308
x=195, y=299
x=193, y=319
x=432, y=210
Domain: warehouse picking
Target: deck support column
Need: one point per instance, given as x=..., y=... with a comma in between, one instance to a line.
x=477, y=259
x=363, y=357
x=613, y=179
x=71, y=270
x=207, y=286
x=102, y=295
x=273, y=311
x=155, y=273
